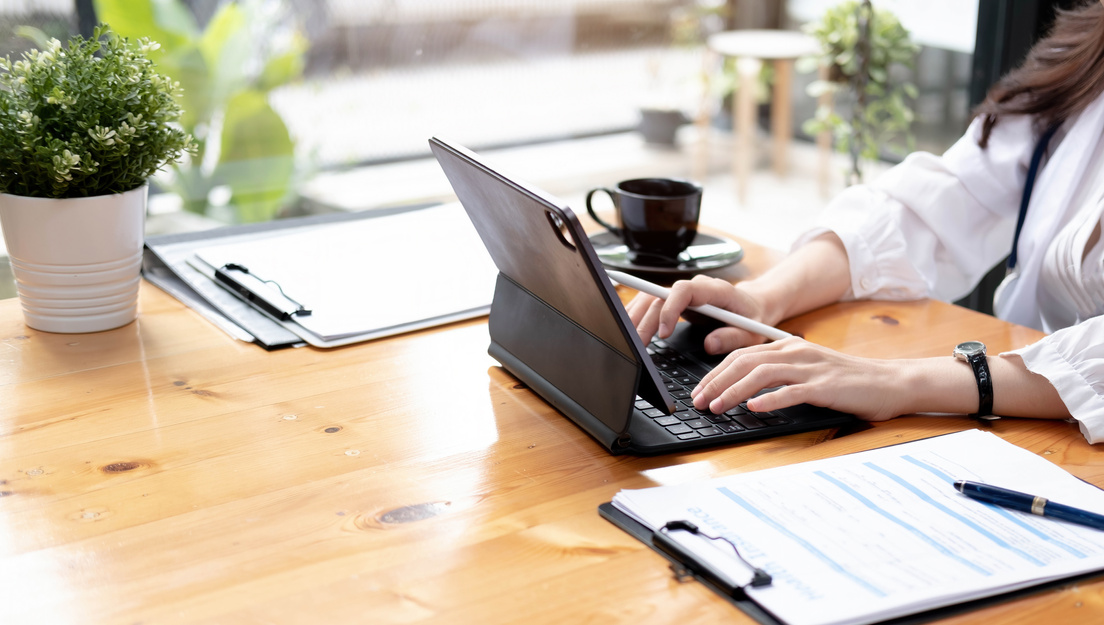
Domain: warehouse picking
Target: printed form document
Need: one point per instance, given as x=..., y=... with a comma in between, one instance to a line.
x=883, y=533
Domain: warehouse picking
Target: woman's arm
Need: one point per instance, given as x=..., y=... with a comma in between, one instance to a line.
x=814, y=275
x=872, y=389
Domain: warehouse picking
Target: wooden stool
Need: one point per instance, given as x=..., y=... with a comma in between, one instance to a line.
x=750, y=48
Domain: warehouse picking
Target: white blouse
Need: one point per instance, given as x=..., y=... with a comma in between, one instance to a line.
x=933, y=226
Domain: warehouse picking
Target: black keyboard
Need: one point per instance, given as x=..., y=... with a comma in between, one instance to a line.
x=681, y=374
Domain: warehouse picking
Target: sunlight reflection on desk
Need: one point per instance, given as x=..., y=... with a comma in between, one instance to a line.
x=681, y=473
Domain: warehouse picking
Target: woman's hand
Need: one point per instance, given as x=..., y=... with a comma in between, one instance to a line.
x=653, y=316
x=871, y=389
x=812, y=276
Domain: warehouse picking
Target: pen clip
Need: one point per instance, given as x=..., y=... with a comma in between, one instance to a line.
x=688, y=564
x=264, y=294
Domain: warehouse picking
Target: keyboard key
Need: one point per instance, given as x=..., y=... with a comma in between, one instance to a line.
x=642, y=404
x=717, y=418
x=687, y=416
x=776, y=420
x=653, y=412
x=674, y=386
x=729, y=427
x=709, y=431
x=698, y=424
x=680, y=407
x=688, y=435
x=665, y=420
x=738, y=410
x=681, y=428
x=681, y=394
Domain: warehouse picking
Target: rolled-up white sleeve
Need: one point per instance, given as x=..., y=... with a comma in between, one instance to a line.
x=1072, y=359
x=933, y=225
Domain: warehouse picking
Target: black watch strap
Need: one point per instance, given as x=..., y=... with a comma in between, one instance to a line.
x=980, y=364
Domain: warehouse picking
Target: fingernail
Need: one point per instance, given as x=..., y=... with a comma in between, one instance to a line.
x=711, y=345
x=694, y=391
x=715, y=406
x=663, y=331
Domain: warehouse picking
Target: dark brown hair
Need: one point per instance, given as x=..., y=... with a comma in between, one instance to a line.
x=1061, y=75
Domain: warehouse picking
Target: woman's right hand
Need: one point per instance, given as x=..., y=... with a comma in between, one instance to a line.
x=655, y=317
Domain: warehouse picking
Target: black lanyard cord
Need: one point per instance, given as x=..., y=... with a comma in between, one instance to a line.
x=1032, y=172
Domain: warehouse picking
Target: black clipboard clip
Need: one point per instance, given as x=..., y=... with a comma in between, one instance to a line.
x=688, y=564
x=264, y=294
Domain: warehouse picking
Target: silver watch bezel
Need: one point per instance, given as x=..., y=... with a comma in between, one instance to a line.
x=969, y=349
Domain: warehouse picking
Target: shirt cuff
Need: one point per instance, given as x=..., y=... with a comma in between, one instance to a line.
x=864, y=220
x=1079, y=396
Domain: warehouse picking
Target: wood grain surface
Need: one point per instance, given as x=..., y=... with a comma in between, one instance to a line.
x=166, y=473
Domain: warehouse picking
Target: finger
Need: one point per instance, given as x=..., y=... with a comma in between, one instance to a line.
x=637, y=306
x=728, y=339
x=742, y=354
x=703, y=289
x=762, y=376
x=751, y=363
x=784, y=397
x=649, y=322
x=715, y=382
x=678, y=299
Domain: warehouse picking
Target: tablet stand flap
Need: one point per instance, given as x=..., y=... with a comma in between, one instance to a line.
x=581, y=376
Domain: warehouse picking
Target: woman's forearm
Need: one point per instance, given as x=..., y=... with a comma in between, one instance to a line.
x=945, y=384
x=814, y=275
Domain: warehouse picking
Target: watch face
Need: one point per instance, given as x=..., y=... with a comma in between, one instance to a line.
x=970, y=348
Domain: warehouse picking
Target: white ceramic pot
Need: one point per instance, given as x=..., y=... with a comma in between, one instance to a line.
x=77, y=261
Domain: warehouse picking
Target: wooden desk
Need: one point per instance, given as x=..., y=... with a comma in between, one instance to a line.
x=165, y=473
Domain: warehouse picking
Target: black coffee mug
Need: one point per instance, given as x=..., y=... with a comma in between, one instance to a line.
x=659, y=217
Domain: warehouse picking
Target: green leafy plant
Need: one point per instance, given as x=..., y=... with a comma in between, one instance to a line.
x=860, y=47
x=90, y=118
x=227, y=70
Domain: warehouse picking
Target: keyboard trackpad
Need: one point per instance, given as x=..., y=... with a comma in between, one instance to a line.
x=688, y=339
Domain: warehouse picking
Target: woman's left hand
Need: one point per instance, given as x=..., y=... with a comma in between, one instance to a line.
x=868, y=388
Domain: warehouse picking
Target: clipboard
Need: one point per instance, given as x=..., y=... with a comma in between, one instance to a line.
x=349, y=270
x=690, y=571
x=688, y=568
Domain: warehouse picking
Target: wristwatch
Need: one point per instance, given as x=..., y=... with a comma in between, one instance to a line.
x=973, y=352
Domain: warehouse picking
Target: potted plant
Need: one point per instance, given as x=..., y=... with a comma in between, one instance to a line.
x=82, y=128
x=861, y=45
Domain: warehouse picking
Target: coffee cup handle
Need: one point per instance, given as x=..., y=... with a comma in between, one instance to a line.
x=590, y=209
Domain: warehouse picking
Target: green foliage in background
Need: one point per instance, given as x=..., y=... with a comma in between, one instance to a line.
x=881, y=116
x=90, y=118
x=227, y=71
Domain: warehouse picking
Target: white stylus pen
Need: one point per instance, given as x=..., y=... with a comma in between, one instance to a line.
x=708, y=310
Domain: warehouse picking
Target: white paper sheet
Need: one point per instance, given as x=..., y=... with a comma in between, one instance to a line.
x=874, y=535
x=373, y=275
